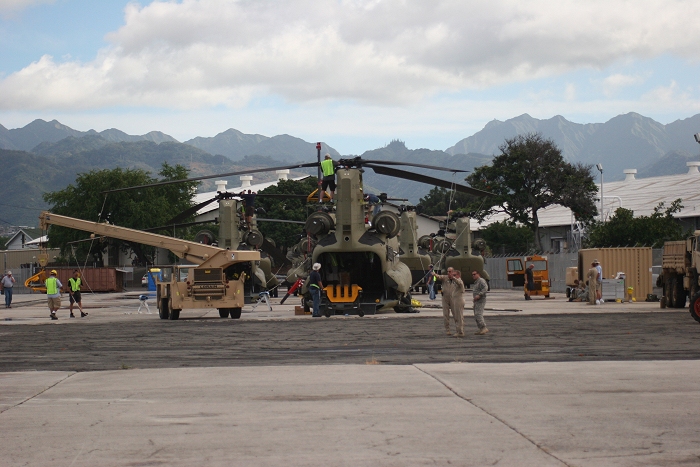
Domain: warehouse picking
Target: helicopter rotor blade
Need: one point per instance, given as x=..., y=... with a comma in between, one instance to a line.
x=367, y=163
x=206, y=177
x=191, y=211
x=426, y=179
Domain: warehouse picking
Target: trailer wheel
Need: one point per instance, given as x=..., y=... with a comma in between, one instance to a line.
x=678, y=295
x=163, y=308
x=236, y=313
x=223, y=312
x=695, y=307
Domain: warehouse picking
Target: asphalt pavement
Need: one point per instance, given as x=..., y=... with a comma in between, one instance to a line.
x=554, y=383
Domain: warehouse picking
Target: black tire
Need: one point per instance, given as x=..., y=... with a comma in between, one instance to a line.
x=223, y=312
x=681, y=294
x=327, y=313
x=174, y=314
x=670, y=291
x=163, y=309
x=695, y=307
x=236, y=313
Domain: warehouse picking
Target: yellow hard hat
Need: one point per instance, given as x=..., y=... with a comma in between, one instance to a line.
x=53, y=271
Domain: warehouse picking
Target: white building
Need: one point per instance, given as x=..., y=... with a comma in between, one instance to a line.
x=640, y=195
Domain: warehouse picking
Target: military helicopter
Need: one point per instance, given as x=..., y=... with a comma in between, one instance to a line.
x=234, y=234
x=361, y=270
x=411, y=253
x=360, y=265
x=452, y=247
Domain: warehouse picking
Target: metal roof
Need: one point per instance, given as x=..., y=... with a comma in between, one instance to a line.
x=640, y=195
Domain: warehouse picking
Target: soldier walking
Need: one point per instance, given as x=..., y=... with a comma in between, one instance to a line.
x=452, y=300
x=592, y=277
x=479, y=290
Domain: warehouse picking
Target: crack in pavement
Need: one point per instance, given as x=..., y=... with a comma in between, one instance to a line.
x=502, y=421
x=40, y=392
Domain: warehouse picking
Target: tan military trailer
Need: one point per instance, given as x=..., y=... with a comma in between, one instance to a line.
x=679, y=277
x=217, y=279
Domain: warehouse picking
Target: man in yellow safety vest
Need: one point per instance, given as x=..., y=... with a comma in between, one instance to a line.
x=328, y=183
x=53, y=292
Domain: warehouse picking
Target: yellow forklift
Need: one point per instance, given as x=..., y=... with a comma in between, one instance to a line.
x=515, y=268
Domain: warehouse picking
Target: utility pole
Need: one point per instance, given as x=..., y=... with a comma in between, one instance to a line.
x=600, y=168
x=318, y=149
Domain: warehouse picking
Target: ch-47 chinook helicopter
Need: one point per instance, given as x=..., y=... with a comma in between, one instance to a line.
x=234, y=234
x=414, y=256
x=360, y=266
x=360, y=270
x=452, y=248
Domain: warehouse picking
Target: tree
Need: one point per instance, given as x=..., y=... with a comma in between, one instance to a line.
x=529, y=175
x=623, y=229
x=439, y=201
x=291, y=208
x=136, y=209
x=507, y=237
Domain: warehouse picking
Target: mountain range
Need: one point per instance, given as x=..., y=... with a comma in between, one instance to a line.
x=46, y=156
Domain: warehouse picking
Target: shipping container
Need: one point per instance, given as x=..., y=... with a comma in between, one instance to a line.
x=94, y=279
x=634, y=262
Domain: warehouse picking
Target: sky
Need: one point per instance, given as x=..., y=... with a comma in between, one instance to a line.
x=355, y=74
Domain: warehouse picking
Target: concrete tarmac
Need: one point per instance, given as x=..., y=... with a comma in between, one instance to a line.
x=537, y=414
x=376, y=401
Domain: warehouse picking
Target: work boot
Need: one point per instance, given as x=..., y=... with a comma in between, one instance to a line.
x=481, y=332
x=53, y=316
x=72, y=315
x=447, y=331
x=459, y=334
x=83, y=314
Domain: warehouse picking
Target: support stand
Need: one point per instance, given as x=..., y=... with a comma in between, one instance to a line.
x=263, y=297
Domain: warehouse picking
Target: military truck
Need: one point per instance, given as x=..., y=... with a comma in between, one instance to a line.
x=679, y=277
x=215, y=278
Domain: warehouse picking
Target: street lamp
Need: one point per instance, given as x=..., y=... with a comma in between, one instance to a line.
x=600, y=169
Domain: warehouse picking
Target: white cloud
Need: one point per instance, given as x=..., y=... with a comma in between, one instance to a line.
x=613, y=83
x=197, y=53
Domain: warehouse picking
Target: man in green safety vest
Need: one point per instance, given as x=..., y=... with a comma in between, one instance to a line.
x=74, y=284
x=328, y=183
x=53, y=292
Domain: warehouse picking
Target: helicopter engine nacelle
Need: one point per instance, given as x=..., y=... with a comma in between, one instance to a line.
x=205, y=237
x=319, y=223
x=388, y=223
x=424, y=242
x=306, y=246
x=253, y=238
x=442, y=246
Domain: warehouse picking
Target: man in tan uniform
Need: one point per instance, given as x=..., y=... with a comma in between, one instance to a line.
x=592, y=278
x=479, y=289
x=452, y=300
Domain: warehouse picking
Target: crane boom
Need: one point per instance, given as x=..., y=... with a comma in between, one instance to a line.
x=196, y=253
